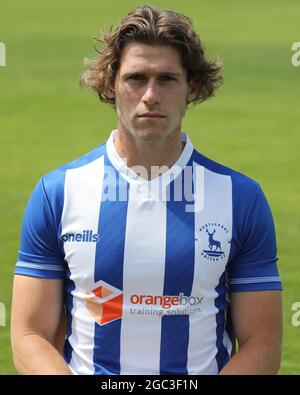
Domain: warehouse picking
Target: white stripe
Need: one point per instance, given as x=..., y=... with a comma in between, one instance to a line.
x=83, y=188
x=42, y=266
x=216, y=207
x=144, y=260
x=254, y=280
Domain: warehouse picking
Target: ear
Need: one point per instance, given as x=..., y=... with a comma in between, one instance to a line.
x=111, y=93
x=111, y=90
x=191, y=92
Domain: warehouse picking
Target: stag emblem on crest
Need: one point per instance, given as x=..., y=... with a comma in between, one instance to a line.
x=212, y=242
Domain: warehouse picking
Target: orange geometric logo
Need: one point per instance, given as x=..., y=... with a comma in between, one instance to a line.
x=105, y=303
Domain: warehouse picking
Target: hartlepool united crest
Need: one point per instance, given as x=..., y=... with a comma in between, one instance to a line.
x=215, y=235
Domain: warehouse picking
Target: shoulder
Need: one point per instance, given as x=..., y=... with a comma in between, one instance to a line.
x=53, y=181
x=243, y=187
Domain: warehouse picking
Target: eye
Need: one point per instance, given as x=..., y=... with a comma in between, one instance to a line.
x=136, y=77
x=167, y=78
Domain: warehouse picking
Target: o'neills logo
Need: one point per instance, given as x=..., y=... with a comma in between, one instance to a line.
x=87, y=236
x=167, y=301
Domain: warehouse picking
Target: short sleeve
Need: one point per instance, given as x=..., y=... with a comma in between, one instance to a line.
x=40, y=254
x=254, y=266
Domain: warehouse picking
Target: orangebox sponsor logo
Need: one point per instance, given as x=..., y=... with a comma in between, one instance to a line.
x=105, y=303
x=166, y=302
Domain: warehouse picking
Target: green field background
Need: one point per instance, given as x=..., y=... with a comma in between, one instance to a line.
x=252, y=124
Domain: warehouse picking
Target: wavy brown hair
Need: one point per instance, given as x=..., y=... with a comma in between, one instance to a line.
x=149, y=25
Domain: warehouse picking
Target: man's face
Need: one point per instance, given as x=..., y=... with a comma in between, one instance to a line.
x=151, y=91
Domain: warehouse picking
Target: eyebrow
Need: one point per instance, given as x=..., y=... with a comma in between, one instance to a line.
x=168, y=73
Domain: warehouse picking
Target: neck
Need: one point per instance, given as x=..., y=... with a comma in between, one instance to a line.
x=154, y=157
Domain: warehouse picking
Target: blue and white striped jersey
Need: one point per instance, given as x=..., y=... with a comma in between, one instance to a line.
x=148, y=265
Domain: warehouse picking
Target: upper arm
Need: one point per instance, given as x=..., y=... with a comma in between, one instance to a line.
x=257, y=314
x=40, y=271
x=36, y=307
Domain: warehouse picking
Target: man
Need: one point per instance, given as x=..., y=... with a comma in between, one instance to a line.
x=147, y=243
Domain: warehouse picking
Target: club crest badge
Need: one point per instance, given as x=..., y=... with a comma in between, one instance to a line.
x=217, y=236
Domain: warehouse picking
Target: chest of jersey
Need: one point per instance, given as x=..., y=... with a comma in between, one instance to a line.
x=153, y=255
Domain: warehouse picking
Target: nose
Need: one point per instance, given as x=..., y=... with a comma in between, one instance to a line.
x=151, y=94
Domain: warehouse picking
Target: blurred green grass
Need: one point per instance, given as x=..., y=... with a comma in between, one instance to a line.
x=252, y=125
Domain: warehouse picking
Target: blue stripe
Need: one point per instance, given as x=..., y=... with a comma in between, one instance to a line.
x=40, y=273
x=25, y=257
x=269, y=286
x=255, y=280
x=68, y=301
x=221, y=304
x=109, y=268
x=43, y=266
x=179, y=272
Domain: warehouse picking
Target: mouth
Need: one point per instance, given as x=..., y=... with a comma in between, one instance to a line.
x=149, y=115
